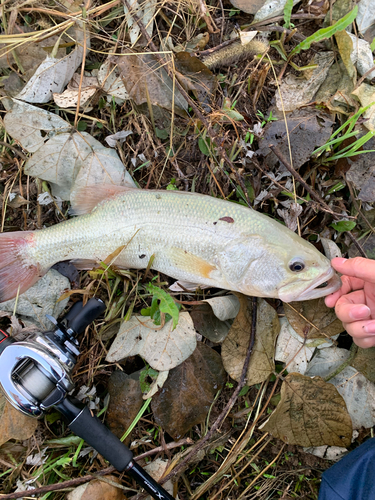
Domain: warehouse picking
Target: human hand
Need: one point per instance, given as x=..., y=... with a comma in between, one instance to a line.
x=354, y=303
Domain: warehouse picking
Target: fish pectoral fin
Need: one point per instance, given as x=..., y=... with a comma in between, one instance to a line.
x=85, y=199
x=190, y=263
x=83, y=264
x=183, y=286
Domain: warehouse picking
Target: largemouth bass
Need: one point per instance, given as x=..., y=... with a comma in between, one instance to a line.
x=197, y=239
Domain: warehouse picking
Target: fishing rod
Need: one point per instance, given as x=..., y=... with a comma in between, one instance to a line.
x=35, y=376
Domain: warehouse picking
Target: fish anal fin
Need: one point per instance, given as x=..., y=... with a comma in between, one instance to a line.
x=85, y=199
x=190, y=263
x=183, y=286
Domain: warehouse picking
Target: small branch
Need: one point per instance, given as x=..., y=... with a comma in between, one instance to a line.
x=228, y=406
x=364, y=76
x=353, y=351
x=15, y=150
x=313, y=193
x=54, y=487
x=81, y=480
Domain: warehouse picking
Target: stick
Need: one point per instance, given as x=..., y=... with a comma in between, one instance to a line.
x=228, y=406
x=80, y=480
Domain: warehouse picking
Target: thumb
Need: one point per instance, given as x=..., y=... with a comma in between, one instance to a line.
x=357, y=268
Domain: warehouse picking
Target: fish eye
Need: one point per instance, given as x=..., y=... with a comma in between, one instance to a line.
x=297, y=266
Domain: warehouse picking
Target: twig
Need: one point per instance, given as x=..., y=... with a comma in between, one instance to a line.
x=353, y=351
x=228, y=406
x=59, y=486
x=313, y=193
x=81, y=480
x=212, y=134
x=15, y=150
x=364, y=76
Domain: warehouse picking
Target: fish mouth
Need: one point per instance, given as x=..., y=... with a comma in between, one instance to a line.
x=327, y=283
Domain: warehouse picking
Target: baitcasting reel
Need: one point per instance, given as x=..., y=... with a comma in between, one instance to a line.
x=35, y=376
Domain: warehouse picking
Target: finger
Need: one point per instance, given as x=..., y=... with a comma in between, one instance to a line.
x=361, y=329
x=358, y=267
x=352, y=307
x=365, y=343
x=348, y=313
x=348, y=285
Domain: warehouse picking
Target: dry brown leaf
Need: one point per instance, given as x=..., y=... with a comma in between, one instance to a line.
x=248, y=6
x=110, y=81
x=189, y=391
x=69, y=98
x=147, y=81
x=311, y=412
x=162, y=347
x=316, y=313
x=53, y=74
x=296, y=92
x=97, y=490
x=125, y=401
x=235, y=345
x=30, y=54
x=195, y=76
x=308, y=129
x=345, y=46
x=364, y=362
x=13, y=424
x=73, y=161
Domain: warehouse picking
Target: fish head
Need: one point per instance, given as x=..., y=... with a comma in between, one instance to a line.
x=287, y=267
x=308, y=274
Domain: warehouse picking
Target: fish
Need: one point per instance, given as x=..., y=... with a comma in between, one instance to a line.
x=199, y=240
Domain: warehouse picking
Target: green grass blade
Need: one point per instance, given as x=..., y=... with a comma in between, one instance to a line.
x=324, y=33
x=288, y=13
x=352, y=148
x=335, y=141
x=346, y=155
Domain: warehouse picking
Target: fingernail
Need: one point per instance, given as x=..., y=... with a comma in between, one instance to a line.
x=340, y=260
x=359, y=312
x=370, y=327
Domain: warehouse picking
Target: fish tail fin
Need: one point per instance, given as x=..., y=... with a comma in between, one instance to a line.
x=16, y=274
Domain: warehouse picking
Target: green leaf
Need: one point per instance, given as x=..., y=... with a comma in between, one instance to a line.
x=324, y=33
x=288, y=13
x=344, y=225
x=372, y=46
x=234, y=115
x=167, y=304
x=204, y=145
x=337, y=187
x=161, y=133
x=81, y=126
x=145, y=373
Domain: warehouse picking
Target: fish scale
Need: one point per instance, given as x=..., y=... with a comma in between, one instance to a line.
x=197, y=239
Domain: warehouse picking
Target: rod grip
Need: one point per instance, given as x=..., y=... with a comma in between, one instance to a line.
x=97, y=435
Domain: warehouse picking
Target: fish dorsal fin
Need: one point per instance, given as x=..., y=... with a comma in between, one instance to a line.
x=85, y=199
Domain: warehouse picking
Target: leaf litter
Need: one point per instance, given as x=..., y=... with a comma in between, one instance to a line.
x=69, y=159
x=53, y=74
